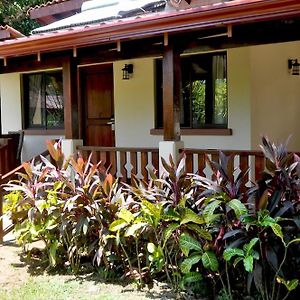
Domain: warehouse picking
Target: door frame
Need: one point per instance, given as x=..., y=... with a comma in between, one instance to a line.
x=81, y=90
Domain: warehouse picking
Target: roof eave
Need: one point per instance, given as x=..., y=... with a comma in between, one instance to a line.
x=142, y=27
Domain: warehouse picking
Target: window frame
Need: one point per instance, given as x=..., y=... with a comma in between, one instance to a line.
x=207, y=128
x=38, y=129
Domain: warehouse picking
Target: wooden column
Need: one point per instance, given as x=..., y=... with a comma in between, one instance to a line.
x=70, y=98
x=171, y=93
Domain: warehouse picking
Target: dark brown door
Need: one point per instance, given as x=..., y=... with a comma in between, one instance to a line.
x=98, y=104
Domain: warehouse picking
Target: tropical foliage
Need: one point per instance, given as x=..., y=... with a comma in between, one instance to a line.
x=14, y=13
x=198, y=234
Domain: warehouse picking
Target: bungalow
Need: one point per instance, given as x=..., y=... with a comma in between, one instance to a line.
x=159, y=74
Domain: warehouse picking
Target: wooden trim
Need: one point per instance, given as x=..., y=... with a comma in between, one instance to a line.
x=171, y=93
x=44, y=132
x=70, y=99
x=199, y=131
x=115, y=149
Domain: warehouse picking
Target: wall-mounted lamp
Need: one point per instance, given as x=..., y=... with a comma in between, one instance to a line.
x=127, y=71
x=294, y=66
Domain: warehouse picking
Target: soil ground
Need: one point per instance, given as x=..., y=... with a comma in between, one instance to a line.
x=16, y=271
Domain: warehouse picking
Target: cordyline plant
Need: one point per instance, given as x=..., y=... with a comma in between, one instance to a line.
x=68, y=205
x=197, y=233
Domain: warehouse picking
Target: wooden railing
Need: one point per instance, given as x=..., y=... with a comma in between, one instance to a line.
x=238, y=160
x=123, y=162
x=8, y=158
x=5, y=179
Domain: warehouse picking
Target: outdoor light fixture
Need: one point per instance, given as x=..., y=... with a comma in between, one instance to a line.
x=294, y=66
x=127, y=71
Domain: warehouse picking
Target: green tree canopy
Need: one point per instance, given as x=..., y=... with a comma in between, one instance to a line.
x=14, y=14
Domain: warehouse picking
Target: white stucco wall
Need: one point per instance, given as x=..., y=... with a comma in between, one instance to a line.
x=275, y=96
x=11, y=115
x=10, y=91
x=238, y=74
x=134, y=105
x=35, y=144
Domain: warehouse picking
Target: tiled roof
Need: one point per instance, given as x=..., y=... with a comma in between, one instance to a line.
x=7, y=32
x=99, y=11
x=49, y=3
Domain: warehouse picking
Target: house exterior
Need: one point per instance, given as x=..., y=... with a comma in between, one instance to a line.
x=220, y=70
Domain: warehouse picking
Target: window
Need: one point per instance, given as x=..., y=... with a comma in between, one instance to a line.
x=43, y=100
x=204, y=91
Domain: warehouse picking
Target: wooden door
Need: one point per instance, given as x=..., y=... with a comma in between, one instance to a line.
x=98, y=104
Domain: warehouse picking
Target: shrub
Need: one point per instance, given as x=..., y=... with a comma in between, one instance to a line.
x=182, y=228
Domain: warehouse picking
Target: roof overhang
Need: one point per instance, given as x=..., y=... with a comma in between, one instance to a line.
x=228, y=13
x=54, y=10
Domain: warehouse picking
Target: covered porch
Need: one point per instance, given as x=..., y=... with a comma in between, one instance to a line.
x=119, y=115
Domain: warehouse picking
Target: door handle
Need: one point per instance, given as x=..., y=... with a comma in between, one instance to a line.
x=112, y=123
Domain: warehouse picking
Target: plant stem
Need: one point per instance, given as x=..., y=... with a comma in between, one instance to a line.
x=228, y=280
x=138, y=261
x=129, y=262
x=277, y=272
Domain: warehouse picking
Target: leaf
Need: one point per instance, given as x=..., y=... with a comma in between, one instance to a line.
x=258, y=276
x=85, y=225
x=28, y=169
x=291, y=285
x=188, y=216
x=52, y=253
x=277, y=230
x=230, y=252
x=133, y=228
x=209, y=210
x=238, y=207
x=117, y=225
x=293, y=241
x=126, y=215
x=191, y=277
x=41, y=205
x=237, y=260
x=151, y=247
x=248, y=247
x=169, y=230
x=187, y=264
x=188, y=243
x=152, y=209
x=203, y=233
x=210, y=261
x=231, y=233
x=263, y=201
x=248, y=263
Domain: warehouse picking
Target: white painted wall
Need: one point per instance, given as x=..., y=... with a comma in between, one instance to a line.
x=10, y=91
x=275, y=95
x=35, y=144
x=11, y=115
x=134, y=105
x=238, y=74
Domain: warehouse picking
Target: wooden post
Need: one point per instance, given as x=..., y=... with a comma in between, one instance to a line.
x=171, y=93
x=70, y=99
x=1, y=211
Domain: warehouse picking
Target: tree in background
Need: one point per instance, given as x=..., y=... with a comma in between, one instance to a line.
x=14, y=14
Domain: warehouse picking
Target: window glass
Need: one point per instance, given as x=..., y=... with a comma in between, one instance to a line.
x=204, y=92
x=43, y=100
